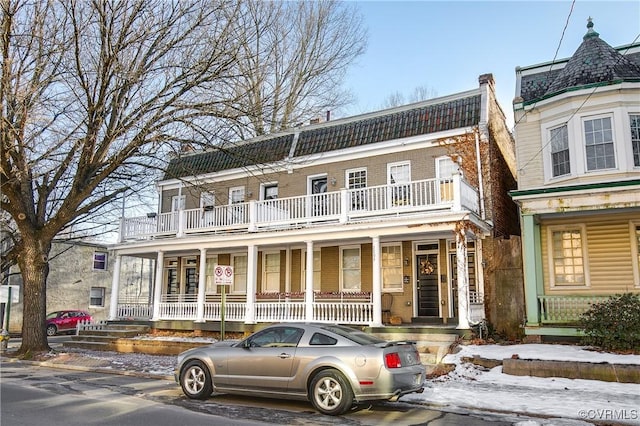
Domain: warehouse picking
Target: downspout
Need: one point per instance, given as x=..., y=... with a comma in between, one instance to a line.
x=480, y=181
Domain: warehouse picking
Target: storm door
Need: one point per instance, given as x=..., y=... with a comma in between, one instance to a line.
x=427, y=289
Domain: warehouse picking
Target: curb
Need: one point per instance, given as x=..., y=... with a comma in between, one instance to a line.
x=90, y=369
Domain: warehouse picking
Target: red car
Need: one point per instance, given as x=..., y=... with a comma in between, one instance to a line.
x=65, y=321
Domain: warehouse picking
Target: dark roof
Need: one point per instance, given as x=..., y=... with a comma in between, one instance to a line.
x=371, y=128
x=261, y=151
x=594, y=62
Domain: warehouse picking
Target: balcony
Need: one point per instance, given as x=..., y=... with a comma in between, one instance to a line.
x=345, y=206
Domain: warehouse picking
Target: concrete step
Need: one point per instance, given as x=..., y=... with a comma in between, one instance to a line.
x=94, y=346
x=113, y=333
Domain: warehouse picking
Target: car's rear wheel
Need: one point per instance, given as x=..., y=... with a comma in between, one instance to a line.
x=51, y=330
x=330, y=393
x=195, y=380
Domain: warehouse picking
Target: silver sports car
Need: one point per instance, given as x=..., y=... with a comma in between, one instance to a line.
x=332, y=366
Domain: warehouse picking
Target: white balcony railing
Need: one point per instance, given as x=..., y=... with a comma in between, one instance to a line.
x=343, y=206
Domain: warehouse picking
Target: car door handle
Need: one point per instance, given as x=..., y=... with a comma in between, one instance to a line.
x=284, y=355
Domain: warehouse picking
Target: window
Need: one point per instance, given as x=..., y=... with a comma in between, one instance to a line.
x=391, y=267
x=271, y=274
x=270, y=191
x=357, y=178
x=322, y=339
x=96, y=296
x=171, y=271
x=445, y=168
x=350, y=268
x=598, y=137
x=635, y=138
x=275, y=337
x=236, y=195
x=239, y=273
x=567, y=257
x=317, y=274
x=560, y=160
x=210, y=285
x=399, y=175
x=99, y=261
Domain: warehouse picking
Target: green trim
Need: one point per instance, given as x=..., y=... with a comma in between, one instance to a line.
x=586, y=186
x=553, y=331
x=585, y=86
x=532, y=279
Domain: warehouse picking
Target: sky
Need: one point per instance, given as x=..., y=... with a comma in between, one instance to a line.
x=446, y=45
x=534, y=401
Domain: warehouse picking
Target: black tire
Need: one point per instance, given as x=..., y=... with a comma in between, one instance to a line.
x=330, y=393
x=52, y=330
x=195, y=380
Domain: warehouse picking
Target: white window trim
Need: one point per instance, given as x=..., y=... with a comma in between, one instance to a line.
x=356, y=170
x=342, y=248
x=237, y=189
x=393, y=289
x=310, y=178
x=634, y=252
x=233, y=287
x=264, y=271
x=106, y=261
x=439, y=167
x=103, y=297
x=583, y=142
x=265, y=185
x=574, y=151
x=628, y=144
x=207, y=198
x=585, y=258
x=398, y=164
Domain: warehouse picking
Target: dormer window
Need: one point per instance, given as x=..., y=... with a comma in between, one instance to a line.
x=599, y=149
x=560, y=151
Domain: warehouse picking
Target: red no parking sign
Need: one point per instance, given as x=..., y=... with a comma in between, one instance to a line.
x=223, y=275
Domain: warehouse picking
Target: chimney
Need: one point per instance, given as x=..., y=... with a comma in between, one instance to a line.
x=328, y=115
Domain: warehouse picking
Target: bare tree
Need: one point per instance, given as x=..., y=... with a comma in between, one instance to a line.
x=294, y=56
x=420, y=93
x=95, y=93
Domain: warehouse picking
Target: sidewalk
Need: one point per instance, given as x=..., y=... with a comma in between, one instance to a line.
x=468, y=387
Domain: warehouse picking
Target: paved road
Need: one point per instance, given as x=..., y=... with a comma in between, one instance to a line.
x=34, y=396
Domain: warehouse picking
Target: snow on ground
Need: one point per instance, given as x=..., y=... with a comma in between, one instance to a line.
x=555, y=401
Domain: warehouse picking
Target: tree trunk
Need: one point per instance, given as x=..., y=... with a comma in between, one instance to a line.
x=34, y=266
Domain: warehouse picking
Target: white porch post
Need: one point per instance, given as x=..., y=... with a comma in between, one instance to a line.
x=377, y=283
x=308, y=293
x=202, y=282
x=287, y=273
x=157, y=290
x=115, y=288
x=463, y=281
x=252, y=279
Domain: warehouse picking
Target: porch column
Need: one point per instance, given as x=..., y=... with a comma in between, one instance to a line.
x=115, y=289
x=202, y=282
x=532, y=268
x=287, y=273
x=157, y=290
x=463, y=281
x=377, y=283
x=308, y=291
x=252, y=279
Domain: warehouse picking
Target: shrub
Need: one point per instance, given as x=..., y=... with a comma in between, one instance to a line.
x=614, y=324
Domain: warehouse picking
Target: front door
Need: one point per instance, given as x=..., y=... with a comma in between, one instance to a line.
x=427, y=296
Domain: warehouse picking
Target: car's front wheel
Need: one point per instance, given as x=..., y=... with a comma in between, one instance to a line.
x=195, y=380
x=330, y=393
x=51, y=330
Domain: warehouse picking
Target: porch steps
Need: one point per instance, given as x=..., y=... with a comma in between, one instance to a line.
x=106, y=338
x=432, y=344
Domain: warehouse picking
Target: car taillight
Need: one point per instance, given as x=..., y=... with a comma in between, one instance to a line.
x=392, y=360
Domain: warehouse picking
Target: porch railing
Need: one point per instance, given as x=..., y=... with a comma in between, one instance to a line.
x=343, y=206
x=340, y=307
x=565, y=309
